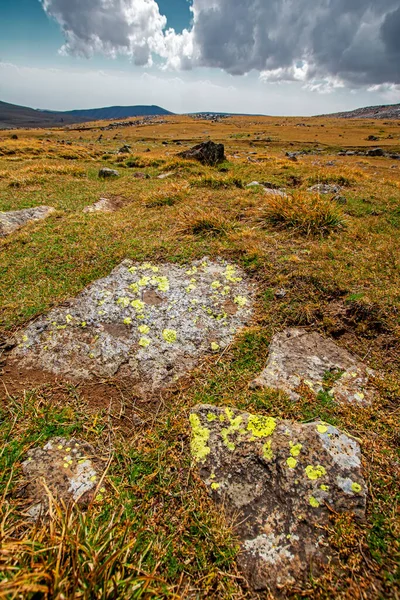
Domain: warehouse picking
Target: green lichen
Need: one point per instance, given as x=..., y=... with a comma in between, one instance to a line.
x=316, y=472
x=291, y=462
x=314, y=502
x=261, y=426
x=267, y=451
x=295, y=449
x=200, y=437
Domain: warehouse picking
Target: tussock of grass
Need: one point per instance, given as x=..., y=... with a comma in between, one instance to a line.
x=215, y=184
x=308, y=214
x=204, y=223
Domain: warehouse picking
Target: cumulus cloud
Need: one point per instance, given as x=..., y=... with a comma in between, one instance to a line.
x=322, y=42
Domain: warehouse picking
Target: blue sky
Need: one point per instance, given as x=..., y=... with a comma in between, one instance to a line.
x=238, y=57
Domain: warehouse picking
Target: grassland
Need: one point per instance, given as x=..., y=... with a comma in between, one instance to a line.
x=156, y=534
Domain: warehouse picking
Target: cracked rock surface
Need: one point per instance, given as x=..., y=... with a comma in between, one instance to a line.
x=69, y=468
x=13, y=220
x=148, y=322
x=297, y=356
x=276, y=478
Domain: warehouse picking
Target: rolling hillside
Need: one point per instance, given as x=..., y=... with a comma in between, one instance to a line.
x=386, y=111
x=14, y=116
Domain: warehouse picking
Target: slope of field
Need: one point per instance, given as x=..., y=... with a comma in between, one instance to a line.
x=389, y=111
x=15, y=116
x=324, y=263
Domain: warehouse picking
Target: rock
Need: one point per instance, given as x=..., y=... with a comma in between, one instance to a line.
x=149, y=323
x=395, y=156
x=372, y=138
x=376, y=152
x=253, y=184
x=103, y=205
x=325, y=188
x=125, y=149
x=139, y=175
x=14, y=136
x=106, y=173
x=340, y=199
x=351, y=153
x=297, y=356
x=70, y=468
x=166, y=175
x=11, y=221
x=291, y=156
x=279, y=480
x=208, y=153
x=274, y=192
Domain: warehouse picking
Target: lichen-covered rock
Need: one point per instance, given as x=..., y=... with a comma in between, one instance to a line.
x=277, y=479
x=13, y=220
x=297, y=356
x=69, y=468
x=325, y=188
x=208, y=153
x=147, y=322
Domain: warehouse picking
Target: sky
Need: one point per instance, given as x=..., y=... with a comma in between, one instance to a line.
x=275, y=57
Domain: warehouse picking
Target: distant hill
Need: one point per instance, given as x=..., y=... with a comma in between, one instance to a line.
x=14, y=116
x=386, y=111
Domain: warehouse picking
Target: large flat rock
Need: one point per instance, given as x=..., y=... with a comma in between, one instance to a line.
x=148, y=322
x=297, y=356
x=278, y=480
x=13, y=220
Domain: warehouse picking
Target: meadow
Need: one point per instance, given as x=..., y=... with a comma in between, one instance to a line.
x=318, y=264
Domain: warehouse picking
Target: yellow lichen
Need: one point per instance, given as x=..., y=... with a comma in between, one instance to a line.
x=127, y=321
x=356, y=487
x=214, y=346
x=138, y=305
x=143, y=281
x=215, y=486
x=169, y=335
x=324, y=488
x=315, y=472
x=144, y=342
x=234, y=427
x=241, y=301
x=267, y=451
x=314, y=502
x=291, y=462
x=322, y=428
x=200, y=437
x=143, y=329
x=261, y=426
x=123, y=301
x=211, y=417
x=295, y=449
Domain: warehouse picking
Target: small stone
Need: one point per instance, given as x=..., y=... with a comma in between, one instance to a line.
x=69, y=480
x=106, y=173
x=297, y=356
x=376, y=152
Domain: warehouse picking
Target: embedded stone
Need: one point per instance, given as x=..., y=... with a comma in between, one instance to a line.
x=325, y=188
x=13, y=220
x=208, y=153
x=148, y=322
x=69, y=468
x=279, y=481
x=106, y=173
x=300, y=357
x=104, y=205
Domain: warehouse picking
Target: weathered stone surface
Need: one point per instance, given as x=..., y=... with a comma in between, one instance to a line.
x=104, y=205
x=277, y=479
x=105, y=173
x=148, y=322
x=11, y=221
x=297, y=356
x=376, y=152
x=69, y=468
x=208, y=153
x=274, y=192
x=325, y=188
x=166, y=175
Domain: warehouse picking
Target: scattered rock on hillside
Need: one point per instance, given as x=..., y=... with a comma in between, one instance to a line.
x=325, y=188
x=276, y=192
x=166, y=175
x=106, y=173
x=139, y=175
x=150, y=323
x=104, y=205
x=70, y=469
x=277, y=479
x=208, y=153
x=376, y=152
x=297, y=356
x=291, y=156
x=13, y=220
x=125, y=149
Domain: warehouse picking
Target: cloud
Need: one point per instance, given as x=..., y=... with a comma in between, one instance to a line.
x=322, y=42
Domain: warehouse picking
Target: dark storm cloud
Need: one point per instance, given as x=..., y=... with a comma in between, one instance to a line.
x=356, y=41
